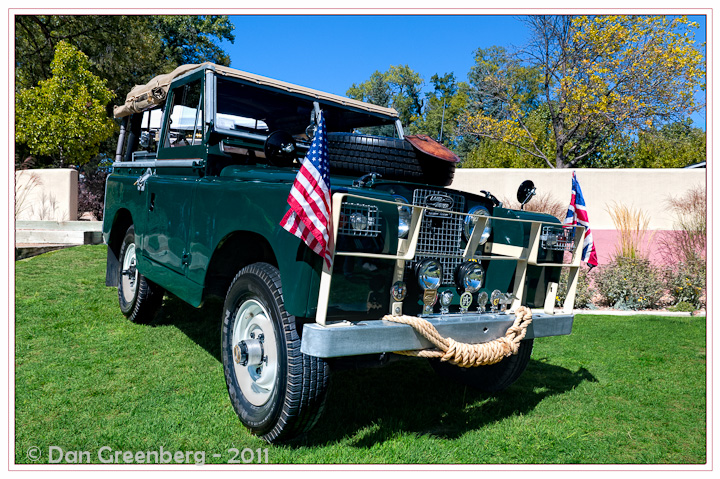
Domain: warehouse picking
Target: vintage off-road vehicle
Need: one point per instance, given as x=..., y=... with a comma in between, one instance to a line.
x=206, y=159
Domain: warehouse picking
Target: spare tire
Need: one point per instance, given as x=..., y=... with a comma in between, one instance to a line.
x=392, y=158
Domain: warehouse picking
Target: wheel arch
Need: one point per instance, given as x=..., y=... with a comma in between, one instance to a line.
x=120, y=224
x=235, y=251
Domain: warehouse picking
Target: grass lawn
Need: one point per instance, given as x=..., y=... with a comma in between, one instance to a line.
x=618, y=390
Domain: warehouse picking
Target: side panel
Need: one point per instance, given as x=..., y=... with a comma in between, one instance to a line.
x=253, y=201
x=168, y=206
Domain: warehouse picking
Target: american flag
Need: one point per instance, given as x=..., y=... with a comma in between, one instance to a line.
x=577, y=215
x=309, y=217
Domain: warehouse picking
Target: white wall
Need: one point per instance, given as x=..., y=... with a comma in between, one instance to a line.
x=46, y=194
x=645, y=189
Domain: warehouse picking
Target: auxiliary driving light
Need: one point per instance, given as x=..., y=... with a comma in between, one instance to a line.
x=429, y=274
x=469, y=276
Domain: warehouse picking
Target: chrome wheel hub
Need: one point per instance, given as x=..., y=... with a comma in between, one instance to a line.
x=129, y=273
x=254, y=352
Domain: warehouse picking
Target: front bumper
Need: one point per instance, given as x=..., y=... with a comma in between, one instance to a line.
x=377, y=336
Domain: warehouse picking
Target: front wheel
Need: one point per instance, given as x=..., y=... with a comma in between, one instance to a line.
x=492, y=378
x=276, y=391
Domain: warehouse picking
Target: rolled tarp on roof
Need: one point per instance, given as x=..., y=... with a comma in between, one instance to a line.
x=153, y=93
x=145, y=97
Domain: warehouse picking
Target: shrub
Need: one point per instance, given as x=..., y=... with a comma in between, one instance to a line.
x=91, y=186
x=686, y=283
x=583, y=294
x=629, y=283
x=682, y=306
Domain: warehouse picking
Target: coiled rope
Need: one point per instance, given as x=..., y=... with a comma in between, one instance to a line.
x=463, y=354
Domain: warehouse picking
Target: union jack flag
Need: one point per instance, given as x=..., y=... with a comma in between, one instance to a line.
x=577, y=215
x=309, y=217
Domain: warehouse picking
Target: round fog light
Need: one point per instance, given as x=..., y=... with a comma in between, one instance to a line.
x=429, y=274
x=469, y=276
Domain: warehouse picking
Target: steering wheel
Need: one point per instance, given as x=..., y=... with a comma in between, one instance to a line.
x=280, y=148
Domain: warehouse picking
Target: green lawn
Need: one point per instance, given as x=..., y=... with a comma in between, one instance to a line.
x=618, y=390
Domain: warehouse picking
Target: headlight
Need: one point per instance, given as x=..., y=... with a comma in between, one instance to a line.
x=404, y=216
x=358, y=221
x=429, y=274
x=472, y=219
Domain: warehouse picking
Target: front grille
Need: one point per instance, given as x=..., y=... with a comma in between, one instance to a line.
x=440, y=233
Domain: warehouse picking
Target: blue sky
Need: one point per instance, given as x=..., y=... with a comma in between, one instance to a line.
x=332, y=52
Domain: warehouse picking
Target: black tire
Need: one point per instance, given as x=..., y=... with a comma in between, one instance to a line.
x=493, y=378
x=392, y=158
x=285, y=394
x=139, y=297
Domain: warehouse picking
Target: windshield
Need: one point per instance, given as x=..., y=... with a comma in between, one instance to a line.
x=249, y=108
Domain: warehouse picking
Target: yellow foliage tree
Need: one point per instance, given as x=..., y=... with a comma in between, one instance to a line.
x=599, y=75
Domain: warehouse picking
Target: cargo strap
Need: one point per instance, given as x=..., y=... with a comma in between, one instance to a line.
x=463, y=354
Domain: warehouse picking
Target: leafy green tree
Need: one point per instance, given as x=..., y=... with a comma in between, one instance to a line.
x=599, y=77
x=400, y=87
x=65, y=116
x=125, y=50
x=443, y=107
x=674, y=145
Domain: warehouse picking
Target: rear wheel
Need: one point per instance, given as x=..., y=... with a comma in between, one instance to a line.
x=492, y=378
x=276, y=391
x=139, y=297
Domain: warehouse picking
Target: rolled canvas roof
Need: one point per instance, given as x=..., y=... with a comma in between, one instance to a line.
x=144, y=97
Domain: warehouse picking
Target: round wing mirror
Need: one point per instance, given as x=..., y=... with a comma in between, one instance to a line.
x=525, y=192
x=280, y=148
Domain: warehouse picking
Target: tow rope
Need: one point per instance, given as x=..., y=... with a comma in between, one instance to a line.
x=467, y=355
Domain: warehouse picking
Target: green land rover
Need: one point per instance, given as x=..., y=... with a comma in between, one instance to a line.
x=205, y=162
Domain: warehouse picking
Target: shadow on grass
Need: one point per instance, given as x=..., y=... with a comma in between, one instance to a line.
x=370, y=406
x=202, y=325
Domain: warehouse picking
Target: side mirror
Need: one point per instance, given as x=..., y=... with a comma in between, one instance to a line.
x=525, y=192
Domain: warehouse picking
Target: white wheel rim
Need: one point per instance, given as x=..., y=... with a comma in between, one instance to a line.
x=129, y=280
x=256, y=381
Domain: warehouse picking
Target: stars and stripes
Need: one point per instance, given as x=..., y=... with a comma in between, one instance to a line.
x=577, y=215
x=309, y=217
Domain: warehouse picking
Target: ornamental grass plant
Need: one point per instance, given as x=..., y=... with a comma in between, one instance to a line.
x=630, y=281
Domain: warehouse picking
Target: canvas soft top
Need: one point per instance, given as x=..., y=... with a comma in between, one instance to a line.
x=145, y=97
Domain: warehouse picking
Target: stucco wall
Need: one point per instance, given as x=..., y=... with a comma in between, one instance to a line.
x=645, y=189
x=48, y=194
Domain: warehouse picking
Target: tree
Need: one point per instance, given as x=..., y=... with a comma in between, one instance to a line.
x=400, y=87
x=674, y=145
x=599, y=77
x=124, y=50
x=442, y=108
x=65, y=116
